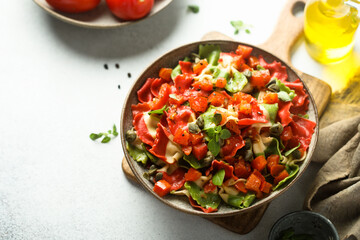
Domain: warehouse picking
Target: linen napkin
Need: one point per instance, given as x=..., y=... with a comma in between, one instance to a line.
x=335, y=192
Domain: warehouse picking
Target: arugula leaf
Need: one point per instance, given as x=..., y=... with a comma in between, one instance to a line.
x=137, y=154
x=218, y=177
x=237, y=83
x=292, y=170
x=239, y=26
x=159, y=111
x=210, y=52
x=241, y=201
x=287, y=153
x=273, y=148
x=206, y=200
x=193, y=8
x=285, y=93
x=177, y=70
x=272, y=109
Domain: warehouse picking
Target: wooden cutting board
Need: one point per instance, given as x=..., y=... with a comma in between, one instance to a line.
x=280, y=43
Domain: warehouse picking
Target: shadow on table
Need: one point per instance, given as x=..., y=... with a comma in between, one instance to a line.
x=129, y=40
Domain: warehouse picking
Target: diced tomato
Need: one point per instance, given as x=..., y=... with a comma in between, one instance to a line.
x=270, y=98
x=260, y=78
x=177, y=99
x=284, y=174
x=200, y=151
x=162, y=188
x=200, y=66
x=165, y=73
x=209, y=187
x=192, y=175
x=258, y=174
x=186, y=67
x=196, y=138
x=216, y=99
x=220, y=82
x=205, y=85
x=232, y=126
x=240, y=186
x=186, y=149
x=253, y=62
x=238, y=61
x=244, y=67
x=253, y=183
x=242, y=169
x=272, y=160
x=243, y=50
x=181, y=137
x=259, y=163
x=198, y=103
x=276, y=170
x=240, y=97
x=286, y=134
x=265, y=187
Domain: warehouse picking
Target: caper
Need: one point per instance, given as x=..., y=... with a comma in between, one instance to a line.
x=193, y=127
x=248, y=155
x=146, y=175
x=208, y=158
x=130, y=135
x=272, y=86
x=200, y=122
x=158, y=176
x=152, y=170
x=276, y=129
x=296, y=154
x=247, y=73
x=272, y=81
x=248, y=143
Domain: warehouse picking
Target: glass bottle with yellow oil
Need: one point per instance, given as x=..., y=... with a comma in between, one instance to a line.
x=330, y=26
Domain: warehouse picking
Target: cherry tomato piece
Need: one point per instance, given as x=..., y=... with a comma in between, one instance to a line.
x=73, y=6
x=130, y=9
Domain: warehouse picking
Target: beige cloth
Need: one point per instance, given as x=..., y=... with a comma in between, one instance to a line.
x=335, y=192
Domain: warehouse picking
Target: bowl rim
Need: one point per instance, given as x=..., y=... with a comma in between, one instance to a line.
x=193, y=211
x=308, y=213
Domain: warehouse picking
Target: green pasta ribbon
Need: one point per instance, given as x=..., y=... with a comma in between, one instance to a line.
x=205, y=200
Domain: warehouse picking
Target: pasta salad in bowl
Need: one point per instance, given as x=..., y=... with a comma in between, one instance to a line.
x=218, y=127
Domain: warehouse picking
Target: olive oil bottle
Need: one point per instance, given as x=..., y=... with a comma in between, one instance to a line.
x=330, y=26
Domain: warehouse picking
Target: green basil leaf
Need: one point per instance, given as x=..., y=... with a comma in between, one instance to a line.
x=285, y=94
x=237, y=83
x=159, y=111
x=106, y=139
x=287, y=153
x=210, y=52
x=225, y=134
x=193, y=8
x=272, y=109
x=94, y=136
x=192, y=161
x=136, y=153
x=214, y=147
x=218, y=177
x=206, y=200
x=292, y=170
x=115, y=133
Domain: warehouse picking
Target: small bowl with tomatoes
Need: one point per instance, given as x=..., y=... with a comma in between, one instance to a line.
x=218, y=128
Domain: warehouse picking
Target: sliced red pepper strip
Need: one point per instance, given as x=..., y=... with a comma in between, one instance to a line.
x=159, y=146
x=276, y=69
x=156, y=85
x=176, y=179
x=183, y=82
x=163, y=98
x=142, y=130
x=301, y=100
x=144, y=93
x=284, y=112
x=231, y=146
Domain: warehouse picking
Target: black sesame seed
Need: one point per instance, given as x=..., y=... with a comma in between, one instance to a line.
x=129, y=75
x=119, y=86
x=106, y=66
x=117, y=65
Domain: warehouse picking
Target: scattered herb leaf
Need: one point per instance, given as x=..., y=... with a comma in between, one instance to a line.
x=218, y=178
x=193, y=8
x=110, y=134
x=159, y=111
x=225, y=134
x=240, y=26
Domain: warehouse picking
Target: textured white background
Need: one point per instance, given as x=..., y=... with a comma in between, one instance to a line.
x=55, y=183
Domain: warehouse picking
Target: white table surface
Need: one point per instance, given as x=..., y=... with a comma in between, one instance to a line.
x=55, y=183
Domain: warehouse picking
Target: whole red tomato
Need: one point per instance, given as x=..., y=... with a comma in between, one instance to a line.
x=73, y=6
x=130, y=9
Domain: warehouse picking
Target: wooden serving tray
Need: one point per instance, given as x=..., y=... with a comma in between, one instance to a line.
x=287, y=32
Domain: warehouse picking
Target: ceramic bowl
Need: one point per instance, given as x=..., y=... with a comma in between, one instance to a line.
x=304, y=222
x=171, y=59
x=100, y=17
